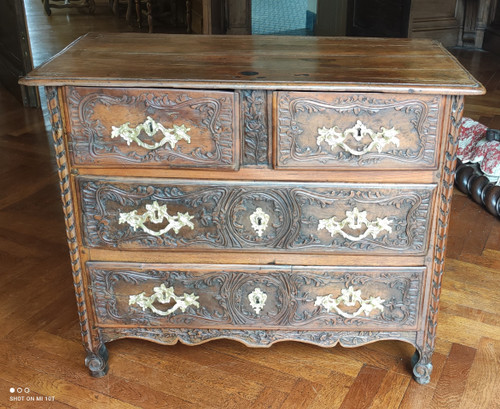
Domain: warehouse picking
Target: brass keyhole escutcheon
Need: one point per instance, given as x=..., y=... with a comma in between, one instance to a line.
x=257, y=300
x=259, y=220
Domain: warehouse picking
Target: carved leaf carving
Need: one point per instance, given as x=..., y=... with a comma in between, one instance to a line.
x=255, y=120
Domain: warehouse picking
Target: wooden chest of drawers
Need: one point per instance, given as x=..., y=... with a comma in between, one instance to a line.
x=259, y=189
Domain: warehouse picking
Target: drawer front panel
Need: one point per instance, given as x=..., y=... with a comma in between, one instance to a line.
x=332, y=130
x=341, y=218
x=152, y=127
x=222, y=296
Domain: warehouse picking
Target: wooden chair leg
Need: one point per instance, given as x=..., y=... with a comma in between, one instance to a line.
x=138, y=12
x=90, y=4
x=188, y=15
x=46, y=7
x=128, y=15
x=149, y=7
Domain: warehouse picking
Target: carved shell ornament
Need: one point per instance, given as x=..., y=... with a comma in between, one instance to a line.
x=350, y=298
x=157, y=214
x=151, y=127
x=355, y=220
x=333, y=137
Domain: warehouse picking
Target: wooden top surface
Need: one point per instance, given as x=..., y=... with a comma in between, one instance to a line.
x=258, y=62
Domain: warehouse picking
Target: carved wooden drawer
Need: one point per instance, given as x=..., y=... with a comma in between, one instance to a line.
x=229, y=296
x=334, y=130
x=152, y=127
x=313, y=217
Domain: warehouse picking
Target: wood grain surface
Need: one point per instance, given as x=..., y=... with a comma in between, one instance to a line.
x=258, y=62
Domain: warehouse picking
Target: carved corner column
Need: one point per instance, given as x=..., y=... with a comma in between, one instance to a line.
x=422, y=366
x=97, y=355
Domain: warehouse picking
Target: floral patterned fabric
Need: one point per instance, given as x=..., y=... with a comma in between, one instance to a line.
x=474, y=148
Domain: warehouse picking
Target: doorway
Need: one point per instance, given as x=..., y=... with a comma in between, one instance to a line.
x=284, y=17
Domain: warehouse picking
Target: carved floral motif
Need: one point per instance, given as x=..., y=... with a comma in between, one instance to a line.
x=255, y=127
x=258, y=337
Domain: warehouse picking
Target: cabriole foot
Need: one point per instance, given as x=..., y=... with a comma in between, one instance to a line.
x=421, y=369
x=97, y=362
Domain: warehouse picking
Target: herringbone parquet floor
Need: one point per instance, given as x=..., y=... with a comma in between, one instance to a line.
x=40, y=349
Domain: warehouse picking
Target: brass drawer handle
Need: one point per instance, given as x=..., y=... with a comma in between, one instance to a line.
x=355, y=220
x=150, y=127
x=333, y=137
x=156, y=214
x=350, y=298
x=163, y=295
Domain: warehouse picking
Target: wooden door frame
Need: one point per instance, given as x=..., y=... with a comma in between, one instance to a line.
x=13, y=66
x=239, y=16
